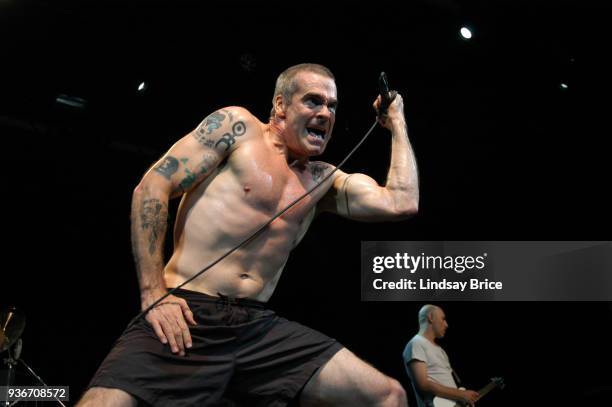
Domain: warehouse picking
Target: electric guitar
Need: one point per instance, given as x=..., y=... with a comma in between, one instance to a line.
x=442, y=402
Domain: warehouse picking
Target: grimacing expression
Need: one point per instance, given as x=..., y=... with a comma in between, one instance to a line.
x=311, y=114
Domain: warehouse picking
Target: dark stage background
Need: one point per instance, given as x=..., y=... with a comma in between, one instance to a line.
x=504, y=151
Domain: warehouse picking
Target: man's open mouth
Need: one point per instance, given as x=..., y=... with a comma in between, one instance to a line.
x=316, y=132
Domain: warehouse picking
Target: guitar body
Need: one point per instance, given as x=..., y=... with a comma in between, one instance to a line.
x=442, y=402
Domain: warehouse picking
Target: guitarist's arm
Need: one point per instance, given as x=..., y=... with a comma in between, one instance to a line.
x=424, y=385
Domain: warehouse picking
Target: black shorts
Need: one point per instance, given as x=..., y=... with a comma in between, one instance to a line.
x=242, y=354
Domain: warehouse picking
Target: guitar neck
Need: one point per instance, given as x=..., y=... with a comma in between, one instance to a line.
x=487, y=388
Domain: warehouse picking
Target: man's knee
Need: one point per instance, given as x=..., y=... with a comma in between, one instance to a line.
x=391, y=394
x=102, y=396
x=387, y=392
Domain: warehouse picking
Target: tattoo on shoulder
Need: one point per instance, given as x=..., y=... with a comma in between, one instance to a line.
x=213, y=122
x=318, y=171
x=167, y=167
x=154, y=215
x=229, y=114
x=210, y=124
x=238, y=129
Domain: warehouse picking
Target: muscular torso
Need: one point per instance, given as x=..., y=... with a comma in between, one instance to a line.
x=243, y=193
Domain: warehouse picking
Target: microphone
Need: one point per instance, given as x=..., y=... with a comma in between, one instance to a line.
x=385, y=94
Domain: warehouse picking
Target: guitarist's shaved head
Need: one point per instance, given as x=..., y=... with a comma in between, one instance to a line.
x=425, y=312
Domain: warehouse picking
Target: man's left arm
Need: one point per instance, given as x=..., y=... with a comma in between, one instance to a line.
x=358, y=196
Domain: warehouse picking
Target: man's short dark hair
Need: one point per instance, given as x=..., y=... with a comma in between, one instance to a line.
x=286, y=85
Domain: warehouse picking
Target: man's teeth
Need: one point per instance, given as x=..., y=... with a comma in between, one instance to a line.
x=317, y=133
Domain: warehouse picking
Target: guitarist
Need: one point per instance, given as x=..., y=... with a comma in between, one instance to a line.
x=427, y=364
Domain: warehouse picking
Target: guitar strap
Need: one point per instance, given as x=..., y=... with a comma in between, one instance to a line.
x=456, y=377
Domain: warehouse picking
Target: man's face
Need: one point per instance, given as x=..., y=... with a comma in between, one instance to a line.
x=438, y=323
x=311, y=114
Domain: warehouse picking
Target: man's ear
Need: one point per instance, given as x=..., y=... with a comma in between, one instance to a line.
x=279, y=106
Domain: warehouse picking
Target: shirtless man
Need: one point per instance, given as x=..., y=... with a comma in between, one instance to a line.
x=234, y=173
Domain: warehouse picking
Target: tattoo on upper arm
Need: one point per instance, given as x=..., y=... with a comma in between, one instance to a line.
x=205, y=141
x=188, y=180
x=167, y=167
x=213, y=122
x=153, y=217
x=238, y=129
x=229, y=114
x=210, y=124
x=206, y=165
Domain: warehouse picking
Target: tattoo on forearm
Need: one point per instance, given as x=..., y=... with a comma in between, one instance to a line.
x=318, y=171
x=167, y=167
x=153, y=218
x=238, y=129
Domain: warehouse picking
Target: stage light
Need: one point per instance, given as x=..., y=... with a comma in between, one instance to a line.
x=142, y=87
x=71, y=101
x=564, y=86
x=466, y=33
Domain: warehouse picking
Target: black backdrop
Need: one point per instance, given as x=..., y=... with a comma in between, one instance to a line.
x=505, y=153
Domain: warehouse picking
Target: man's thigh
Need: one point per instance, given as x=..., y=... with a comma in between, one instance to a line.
x=102, y=396
x=347, y=380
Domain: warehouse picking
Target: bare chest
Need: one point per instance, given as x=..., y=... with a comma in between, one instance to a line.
x=268, y=184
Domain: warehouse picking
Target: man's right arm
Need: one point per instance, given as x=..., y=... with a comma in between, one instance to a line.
x=424, y=385
x=186, y=164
